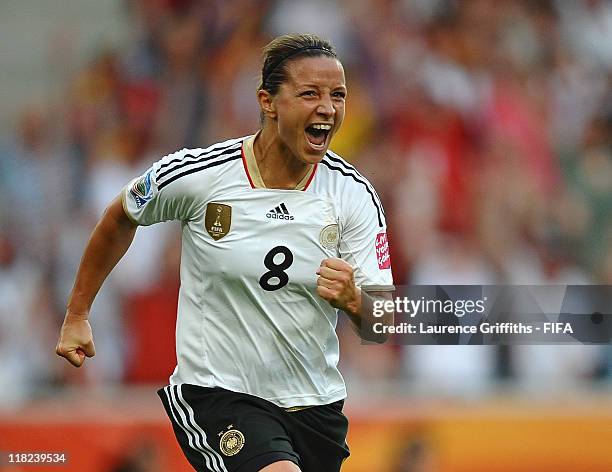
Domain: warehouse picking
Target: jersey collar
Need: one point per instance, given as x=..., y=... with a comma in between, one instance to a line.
x=252, y=169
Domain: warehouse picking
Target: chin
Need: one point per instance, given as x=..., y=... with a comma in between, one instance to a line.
x=314, y=157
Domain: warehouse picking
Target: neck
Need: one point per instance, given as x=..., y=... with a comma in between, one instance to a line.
x=278, y=167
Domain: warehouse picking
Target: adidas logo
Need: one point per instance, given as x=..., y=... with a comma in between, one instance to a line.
x=279, y=213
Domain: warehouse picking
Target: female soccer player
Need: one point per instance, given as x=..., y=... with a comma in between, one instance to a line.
x=278, y=233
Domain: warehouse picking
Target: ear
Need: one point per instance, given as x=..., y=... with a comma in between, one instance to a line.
x=266, y=103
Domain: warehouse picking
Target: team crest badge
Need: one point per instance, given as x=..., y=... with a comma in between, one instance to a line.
x=231, y=442
x=218, y=220
x=329, y=237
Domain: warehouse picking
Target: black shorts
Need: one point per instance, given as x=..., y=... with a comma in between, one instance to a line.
x=224, y=431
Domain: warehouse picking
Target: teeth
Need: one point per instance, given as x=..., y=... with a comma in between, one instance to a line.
x=321, y=126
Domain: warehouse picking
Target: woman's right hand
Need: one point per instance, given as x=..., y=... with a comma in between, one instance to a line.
x=76, y=339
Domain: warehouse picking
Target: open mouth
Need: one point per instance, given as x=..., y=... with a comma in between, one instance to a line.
x=317, y=134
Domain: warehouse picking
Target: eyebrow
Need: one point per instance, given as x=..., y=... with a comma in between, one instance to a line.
x=310, y=84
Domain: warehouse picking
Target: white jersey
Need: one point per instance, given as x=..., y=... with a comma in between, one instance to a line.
x=249, y=318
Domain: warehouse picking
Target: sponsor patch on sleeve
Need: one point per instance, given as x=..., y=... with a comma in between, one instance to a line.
x=382, y=251
x=142, y=189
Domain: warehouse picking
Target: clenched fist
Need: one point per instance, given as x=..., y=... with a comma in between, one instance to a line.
x=76, y=340
x=336, y=284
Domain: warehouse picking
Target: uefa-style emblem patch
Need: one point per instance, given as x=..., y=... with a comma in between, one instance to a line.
x=142, y=190
x=329, y=237
x=218, y=220
x=231, y=442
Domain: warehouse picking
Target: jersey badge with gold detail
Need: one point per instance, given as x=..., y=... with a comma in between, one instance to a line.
x=329, y=236
x=218, y=220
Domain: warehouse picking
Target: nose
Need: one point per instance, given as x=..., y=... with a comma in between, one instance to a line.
x=326, y=106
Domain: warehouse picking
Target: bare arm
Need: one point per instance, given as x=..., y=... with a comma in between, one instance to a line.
x=363, y=319
x=336, y=284
x=109, y=241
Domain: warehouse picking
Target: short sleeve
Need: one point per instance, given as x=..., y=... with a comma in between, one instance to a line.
x=146, y=202
x=363, y=239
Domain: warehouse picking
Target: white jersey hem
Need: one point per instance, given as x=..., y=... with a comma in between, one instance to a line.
x=285, y=402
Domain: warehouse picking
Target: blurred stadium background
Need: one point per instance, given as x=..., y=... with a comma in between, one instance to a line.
x=486, y=127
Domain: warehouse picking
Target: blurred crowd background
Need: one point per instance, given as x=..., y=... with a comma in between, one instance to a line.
x=486, y=127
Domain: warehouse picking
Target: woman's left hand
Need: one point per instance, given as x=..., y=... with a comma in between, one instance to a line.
x=336, y=284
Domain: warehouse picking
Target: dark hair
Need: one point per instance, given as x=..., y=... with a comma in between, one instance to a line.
x=280, y=50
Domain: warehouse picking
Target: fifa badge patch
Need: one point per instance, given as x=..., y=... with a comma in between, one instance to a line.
x=142, y=189
x=382, y=251
x=218, y=220
x=231, y=442
x=329, y=237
